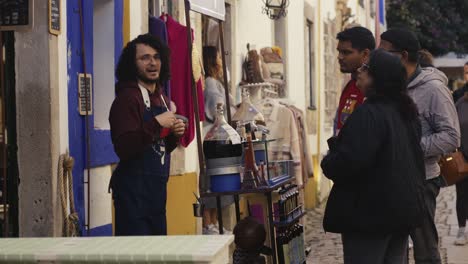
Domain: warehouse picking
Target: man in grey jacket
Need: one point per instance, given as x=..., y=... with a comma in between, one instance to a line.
x=440, y=130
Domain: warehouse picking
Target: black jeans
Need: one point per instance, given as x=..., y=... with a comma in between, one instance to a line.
x=375, y=249
x=426, y=238
x=462, y=202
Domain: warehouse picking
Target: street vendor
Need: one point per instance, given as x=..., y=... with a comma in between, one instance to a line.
x=144, y=132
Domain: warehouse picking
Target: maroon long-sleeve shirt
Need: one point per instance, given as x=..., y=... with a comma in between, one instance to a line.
x=130, y=133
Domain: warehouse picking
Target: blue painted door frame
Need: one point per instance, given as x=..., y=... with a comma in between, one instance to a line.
x=102, y=152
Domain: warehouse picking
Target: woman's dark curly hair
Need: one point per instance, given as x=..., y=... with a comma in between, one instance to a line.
x=126, y=68
x=389, y=83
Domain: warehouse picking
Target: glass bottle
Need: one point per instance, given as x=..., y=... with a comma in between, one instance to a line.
x=222, y=141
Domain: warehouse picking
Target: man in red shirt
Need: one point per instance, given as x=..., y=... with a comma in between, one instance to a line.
x=354, y=47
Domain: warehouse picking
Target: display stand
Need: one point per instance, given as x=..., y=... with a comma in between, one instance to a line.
x=267, y=191
x=276, y=182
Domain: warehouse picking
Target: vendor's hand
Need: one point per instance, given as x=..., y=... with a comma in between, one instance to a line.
x=178, y=128
x=166, y=119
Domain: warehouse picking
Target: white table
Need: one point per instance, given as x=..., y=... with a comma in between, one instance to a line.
x=148, y=249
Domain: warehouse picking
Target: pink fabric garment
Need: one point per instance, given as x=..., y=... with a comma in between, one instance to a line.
x=181, y=74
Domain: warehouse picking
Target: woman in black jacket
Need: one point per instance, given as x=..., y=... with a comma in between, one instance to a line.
x=377, y=166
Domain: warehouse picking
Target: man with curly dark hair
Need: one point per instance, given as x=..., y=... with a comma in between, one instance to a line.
x=144, y=132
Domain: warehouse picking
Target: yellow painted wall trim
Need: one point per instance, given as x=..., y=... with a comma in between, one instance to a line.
x=126, y=22
x=316, y=158
x=311, y=189
x=179, y=209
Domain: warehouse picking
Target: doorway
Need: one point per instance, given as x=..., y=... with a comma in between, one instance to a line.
x=9, y=178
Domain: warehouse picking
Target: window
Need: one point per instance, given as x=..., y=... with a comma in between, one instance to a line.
x=310, y=58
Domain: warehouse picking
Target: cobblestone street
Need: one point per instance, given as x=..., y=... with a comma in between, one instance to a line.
x=327, y=248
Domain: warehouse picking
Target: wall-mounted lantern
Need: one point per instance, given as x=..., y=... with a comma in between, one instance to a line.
x=275, y=9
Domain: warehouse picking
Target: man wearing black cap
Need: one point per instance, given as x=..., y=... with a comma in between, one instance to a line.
x=440, y=130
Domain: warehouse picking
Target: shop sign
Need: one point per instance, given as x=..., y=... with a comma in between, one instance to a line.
x=54, y=17
x=16, y=15
x=211, y=8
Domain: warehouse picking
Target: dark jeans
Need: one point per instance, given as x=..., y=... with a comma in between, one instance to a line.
x=426, y=238
x=462, y=202
x=375, y=249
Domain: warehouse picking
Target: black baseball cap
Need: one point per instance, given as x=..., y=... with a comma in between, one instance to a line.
x=402, y=39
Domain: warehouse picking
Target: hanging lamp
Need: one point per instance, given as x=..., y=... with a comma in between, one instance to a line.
x=275, y=9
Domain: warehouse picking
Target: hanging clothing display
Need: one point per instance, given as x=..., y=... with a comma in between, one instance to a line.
x=197, y=65
x=157, y=28
x=181, y=74
x=306, y=157
x=282, y=125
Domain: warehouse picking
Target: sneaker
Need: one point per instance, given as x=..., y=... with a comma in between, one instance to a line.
x=210, y=230
x=225, y=231
x=461, y=238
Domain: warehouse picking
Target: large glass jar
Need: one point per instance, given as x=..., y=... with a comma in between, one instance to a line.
x=222, y=141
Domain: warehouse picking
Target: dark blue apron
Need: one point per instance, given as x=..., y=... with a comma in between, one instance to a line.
x=139, y=189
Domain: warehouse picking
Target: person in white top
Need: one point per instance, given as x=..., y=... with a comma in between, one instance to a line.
x=214, y=93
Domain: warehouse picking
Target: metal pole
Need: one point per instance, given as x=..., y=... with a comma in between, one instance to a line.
x=272, y=228
x=201, y=159
x=236, y=201
x=87, y=96
x=220, y=214
x=223, y=56
x=4, y=161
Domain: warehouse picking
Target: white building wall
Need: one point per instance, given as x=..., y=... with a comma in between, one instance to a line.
x=328, y=9
x=362, y=14
x=138, y=18
x=295, y=59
